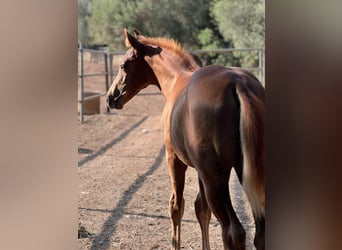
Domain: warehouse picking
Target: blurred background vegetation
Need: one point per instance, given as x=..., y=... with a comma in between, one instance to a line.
x=196, y=24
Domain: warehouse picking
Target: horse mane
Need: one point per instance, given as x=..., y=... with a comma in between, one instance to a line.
x=172, y=46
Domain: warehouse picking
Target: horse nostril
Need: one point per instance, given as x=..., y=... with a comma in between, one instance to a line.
x=116, y=93
x=110, y=100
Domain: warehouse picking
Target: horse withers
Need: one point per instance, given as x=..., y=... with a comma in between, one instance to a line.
x=213, y=120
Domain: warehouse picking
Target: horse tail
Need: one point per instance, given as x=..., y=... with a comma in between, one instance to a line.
x=252, y=114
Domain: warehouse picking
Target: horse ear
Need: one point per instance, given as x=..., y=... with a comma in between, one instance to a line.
x=136, y=33
x=132, y=41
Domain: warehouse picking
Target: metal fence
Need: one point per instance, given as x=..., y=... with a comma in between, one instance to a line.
x=260, y=69
x=108, y=73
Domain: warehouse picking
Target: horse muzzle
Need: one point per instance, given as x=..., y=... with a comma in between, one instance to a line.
x=113, y=101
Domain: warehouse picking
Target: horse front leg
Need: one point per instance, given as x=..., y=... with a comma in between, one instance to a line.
x=176, y=207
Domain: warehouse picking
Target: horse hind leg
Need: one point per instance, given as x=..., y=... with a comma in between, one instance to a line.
x=259, y=217
x=217, y=193
x=258, y=214
x=203, y=214
x=259, y=239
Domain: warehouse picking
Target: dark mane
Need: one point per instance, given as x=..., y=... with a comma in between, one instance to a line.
x=171, y=46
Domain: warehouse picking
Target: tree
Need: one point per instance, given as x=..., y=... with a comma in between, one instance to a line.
x=84, y=11
x=179, y=19
x=243, y=23
x=196, y=24
x=102, y=22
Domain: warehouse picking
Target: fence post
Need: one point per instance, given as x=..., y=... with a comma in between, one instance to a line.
x=106, y=73
x=260, y=65
x=263, y=66
x=80, y=93
x=110, y=72
x=111, y=68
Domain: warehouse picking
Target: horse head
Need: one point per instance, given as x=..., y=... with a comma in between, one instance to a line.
x=134, y=73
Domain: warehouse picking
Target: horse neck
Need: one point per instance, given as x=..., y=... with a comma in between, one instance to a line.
x=172, y=78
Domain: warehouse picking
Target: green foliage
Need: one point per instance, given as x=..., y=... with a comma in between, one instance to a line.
x=163, y=18
x=197, y=24
x=243, y=22
x=208, y=41
x=104, y=15
x=84, y=11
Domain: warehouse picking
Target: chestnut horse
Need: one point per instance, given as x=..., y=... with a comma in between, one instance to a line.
x=213, y=120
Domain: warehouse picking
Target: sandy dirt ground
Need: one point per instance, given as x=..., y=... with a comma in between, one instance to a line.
x=124, y=187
